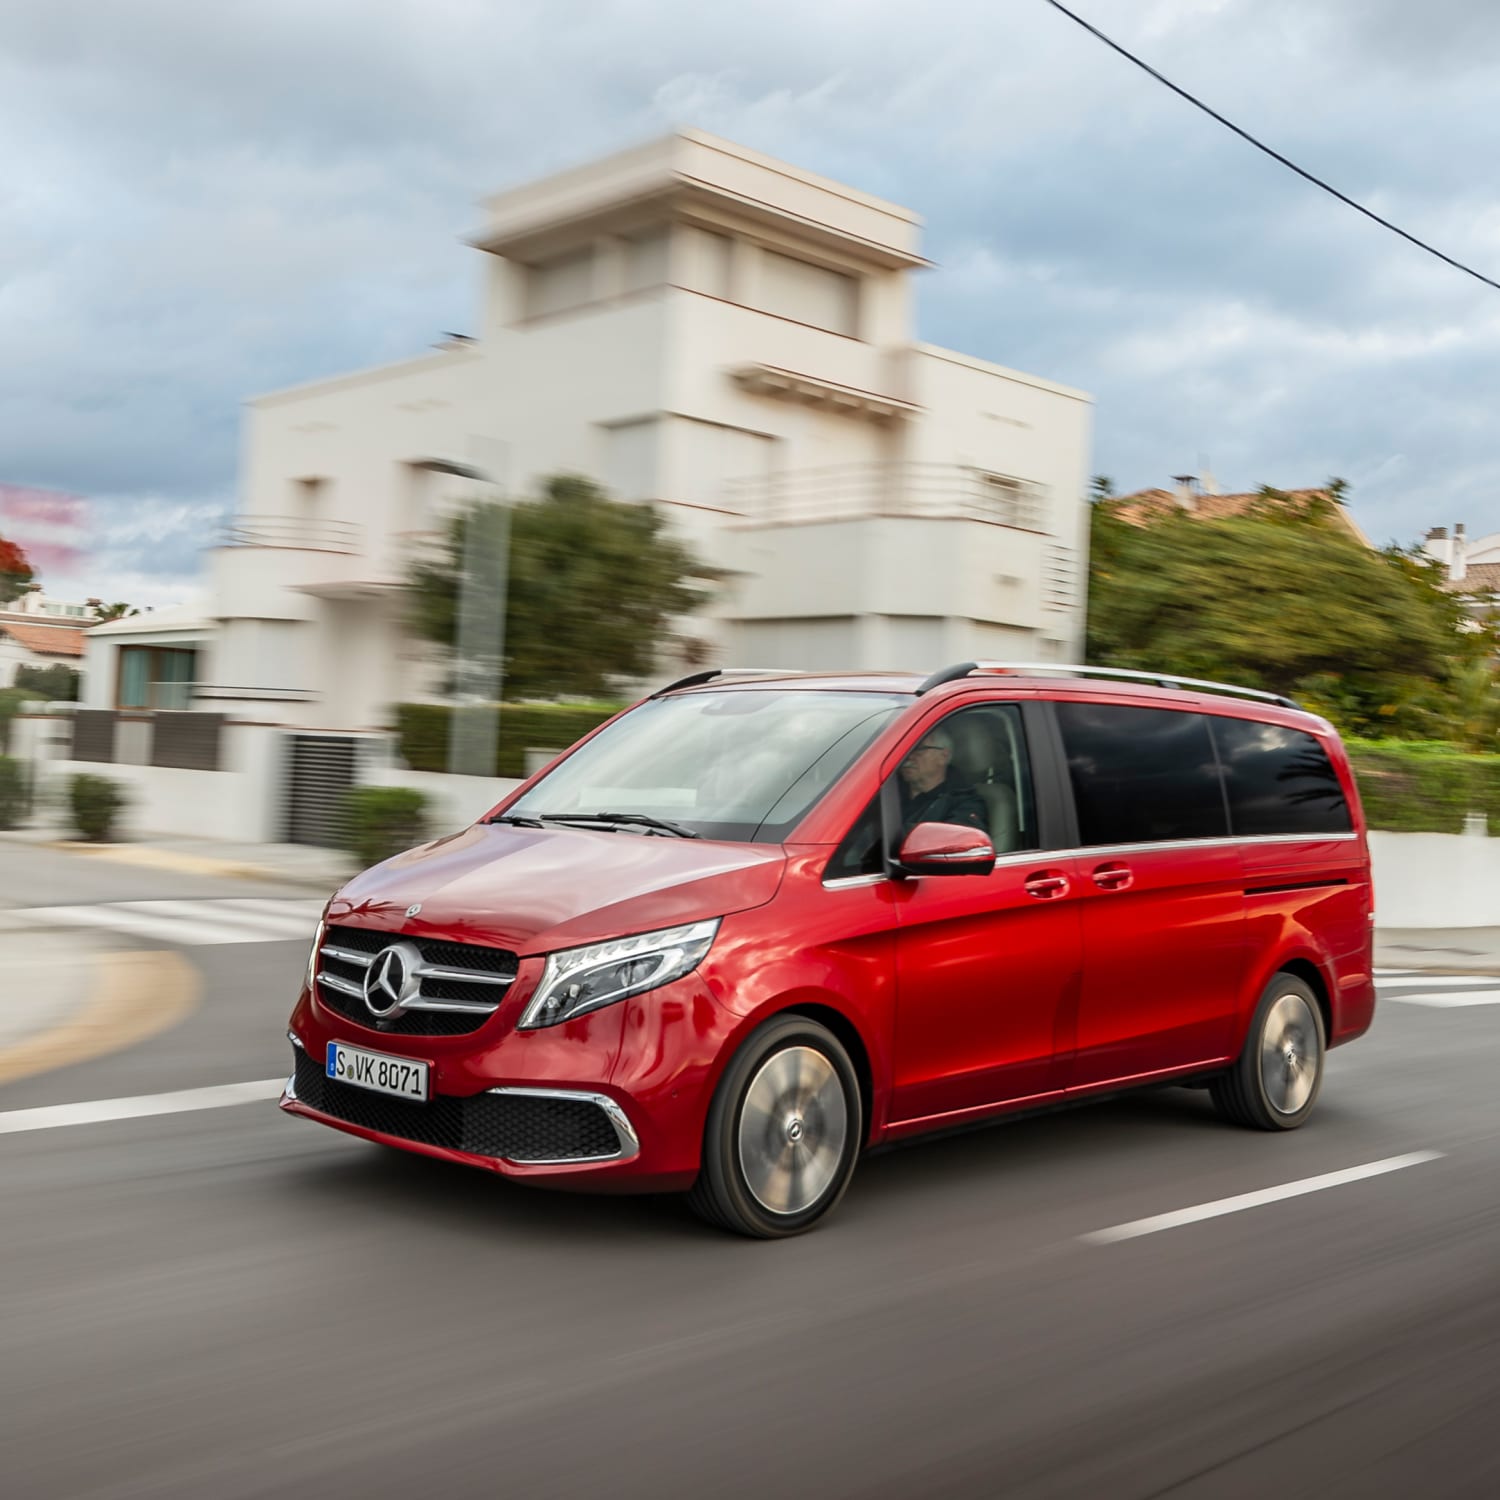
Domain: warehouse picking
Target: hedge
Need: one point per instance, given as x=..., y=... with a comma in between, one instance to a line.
x=1423, y=786
x=379, y=821
x=423, y=731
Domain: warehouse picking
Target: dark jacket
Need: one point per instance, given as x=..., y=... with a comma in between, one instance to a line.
x=950, y=801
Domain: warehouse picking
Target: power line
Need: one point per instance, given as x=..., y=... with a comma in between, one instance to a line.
x=1245, y=135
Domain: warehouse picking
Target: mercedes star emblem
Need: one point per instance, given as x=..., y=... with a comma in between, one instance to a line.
x=392, y=979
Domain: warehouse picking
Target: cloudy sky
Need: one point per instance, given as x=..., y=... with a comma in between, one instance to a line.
x=199, y=202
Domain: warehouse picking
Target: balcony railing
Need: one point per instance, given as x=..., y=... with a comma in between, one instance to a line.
x=291, y=531
x=840, y=492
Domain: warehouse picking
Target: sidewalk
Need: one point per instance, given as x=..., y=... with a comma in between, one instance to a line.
x=291, y=864
x=1458, y=950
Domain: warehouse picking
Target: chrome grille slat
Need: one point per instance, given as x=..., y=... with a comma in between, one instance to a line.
x=348, y=955
x=462, y=976
x=458, y=985
x=463, y=1007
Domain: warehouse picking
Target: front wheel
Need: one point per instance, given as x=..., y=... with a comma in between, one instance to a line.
x=1275, y=1082
x=783, y=1132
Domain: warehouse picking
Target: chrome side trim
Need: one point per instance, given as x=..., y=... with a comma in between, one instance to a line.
x=1089, y=851
x=630, y=1143
x=1216, y=843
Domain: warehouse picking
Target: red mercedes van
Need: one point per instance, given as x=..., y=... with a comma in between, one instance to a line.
x=759, y=923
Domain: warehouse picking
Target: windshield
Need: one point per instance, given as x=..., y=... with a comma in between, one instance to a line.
x=743, y=765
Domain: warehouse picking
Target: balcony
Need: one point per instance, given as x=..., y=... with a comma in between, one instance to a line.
x=863, y=491
x=291, y=531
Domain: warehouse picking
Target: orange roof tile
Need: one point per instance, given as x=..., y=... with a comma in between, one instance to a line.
x=46, y=640
x=1144, y=506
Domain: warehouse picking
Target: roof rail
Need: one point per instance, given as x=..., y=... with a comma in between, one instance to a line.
x=697, y=679
x=1054, y=669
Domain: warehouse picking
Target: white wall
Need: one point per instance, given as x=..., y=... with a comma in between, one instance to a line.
x=1436, y=880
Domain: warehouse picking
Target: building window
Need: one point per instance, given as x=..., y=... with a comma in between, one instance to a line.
x=556, y=285
x=646, y=260
x=155, y=676
x=809, y=294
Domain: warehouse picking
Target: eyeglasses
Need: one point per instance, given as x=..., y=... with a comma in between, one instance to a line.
x=917, y=749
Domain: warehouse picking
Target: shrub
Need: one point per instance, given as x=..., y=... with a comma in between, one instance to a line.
x=1424, y=786
x=96, y=802
x=13, y=792
x=423, y=731
x=379, y=821
x=57, y=683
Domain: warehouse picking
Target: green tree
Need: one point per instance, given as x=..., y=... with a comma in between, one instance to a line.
x=592, y=585
x=1285, y=599
x=117, y=611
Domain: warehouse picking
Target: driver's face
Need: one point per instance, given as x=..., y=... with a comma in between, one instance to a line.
x=925, y=766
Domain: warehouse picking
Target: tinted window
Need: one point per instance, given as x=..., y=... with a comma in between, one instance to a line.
x=1141, y=775
x=1279, y=780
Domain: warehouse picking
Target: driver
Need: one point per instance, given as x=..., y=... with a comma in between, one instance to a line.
x=931, y=791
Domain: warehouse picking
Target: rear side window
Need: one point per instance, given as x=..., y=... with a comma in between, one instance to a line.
x=1141, y=775
x=1279, y=780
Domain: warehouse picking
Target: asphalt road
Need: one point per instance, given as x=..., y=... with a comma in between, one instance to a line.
x=230, y=1302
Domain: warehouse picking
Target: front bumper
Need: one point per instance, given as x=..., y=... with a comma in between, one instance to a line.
x=615, y=1101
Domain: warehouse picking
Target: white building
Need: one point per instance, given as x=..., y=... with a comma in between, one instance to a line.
x=36, y=631
x=1471, y=565
x=697, y=325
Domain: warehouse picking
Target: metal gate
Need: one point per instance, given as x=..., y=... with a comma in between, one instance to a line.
x=320, y=770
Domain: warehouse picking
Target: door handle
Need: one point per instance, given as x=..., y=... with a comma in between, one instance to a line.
x=1046, y=887
x=1114, y=877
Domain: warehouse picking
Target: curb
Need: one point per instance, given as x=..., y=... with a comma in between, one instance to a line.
x=135, y=996
x=181, y=863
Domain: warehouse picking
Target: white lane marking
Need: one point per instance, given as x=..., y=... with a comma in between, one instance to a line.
x=1454, y=1000
x=218, y=1096
x=1235, y=1205
x=1437, y=981
x=262, y=926
x=189, y=923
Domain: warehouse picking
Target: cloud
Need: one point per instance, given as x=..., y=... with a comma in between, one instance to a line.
x=212, y=201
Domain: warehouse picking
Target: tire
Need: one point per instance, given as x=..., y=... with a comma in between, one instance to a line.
x=1276, y=1081
x=783, y=1132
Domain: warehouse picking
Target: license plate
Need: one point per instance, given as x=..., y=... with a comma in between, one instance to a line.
x=372, y=1070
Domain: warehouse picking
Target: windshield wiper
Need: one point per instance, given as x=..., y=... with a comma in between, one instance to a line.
x=515, y=820
x=629, y=820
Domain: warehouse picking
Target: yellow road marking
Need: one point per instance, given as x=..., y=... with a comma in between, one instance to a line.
x=136, y=995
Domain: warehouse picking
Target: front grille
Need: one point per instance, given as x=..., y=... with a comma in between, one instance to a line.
x=514, y=1127
x=469, y=957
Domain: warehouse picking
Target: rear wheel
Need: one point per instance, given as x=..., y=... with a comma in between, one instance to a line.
x=783, y=1132
x=1275, y=1082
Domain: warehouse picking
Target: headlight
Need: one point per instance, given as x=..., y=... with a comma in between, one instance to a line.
x=312, y=958
x=579, y=980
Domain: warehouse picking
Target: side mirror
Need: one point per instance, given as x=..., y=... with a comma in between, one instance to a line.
x=946, y=849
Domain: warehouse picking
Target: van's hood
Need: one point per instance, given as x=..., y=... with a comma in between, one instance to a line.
x=536, y=890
